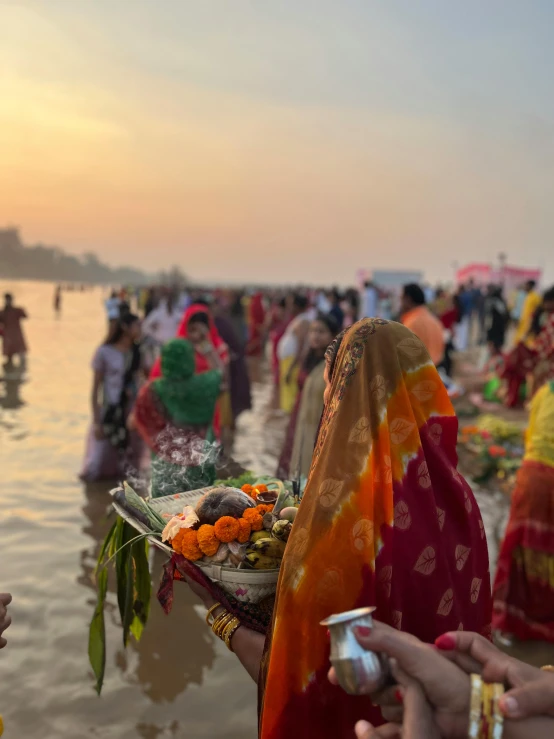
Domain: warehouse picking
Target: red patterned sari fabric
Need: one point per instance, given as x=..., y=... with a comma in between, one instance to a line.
x=524, y=585
x=386, y=521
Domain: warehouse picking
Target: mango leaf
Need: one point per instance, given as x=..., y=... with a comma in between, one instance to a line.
x=106, y=545
x=129, y=597
x=122, y=564
x=143, y=588
x=97, y=632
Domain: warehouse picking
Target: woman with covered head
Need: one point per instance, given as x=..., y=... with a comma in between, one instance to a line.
x=174, y=415
x=386, y=520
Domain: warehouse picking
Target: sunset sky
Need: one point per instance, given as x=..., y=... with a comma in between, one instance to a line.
x=280, y=140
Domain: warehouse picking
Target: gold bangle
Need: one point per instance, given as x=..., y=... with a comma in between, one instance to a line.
x=220, y=623
x=216, y=623
x=485, y=712
x=209, y=613
x=548, y=668
x=497, y=716
x=229, y=631
x=475, y=707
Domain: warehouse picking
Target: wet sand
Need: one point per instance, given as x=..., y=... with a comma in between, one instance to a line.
x=180, y=681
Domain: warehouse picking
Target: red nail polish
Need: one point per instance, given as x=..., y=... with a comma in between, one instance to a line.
x=363, y=630
x=446, y=643
x=399, y=696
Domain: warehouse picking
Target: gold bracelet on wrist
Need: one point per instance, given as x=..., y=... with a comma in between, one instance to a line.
x=210, y=612
x=221, y=622
x=547, y=668
x=229, y=633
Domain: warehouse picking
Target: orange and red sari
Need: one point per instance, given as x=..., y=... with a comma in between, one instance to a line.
x=386, y=521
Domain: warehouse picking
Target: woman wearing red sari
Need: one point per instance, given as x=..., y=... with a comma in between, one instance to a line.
x=200, y=311
x=198, y=327
x=386, y=520
x=256, y=321
x=532, y=358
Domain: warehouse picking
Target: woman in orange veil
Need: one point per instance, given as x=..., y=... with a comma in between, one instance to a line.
x=386, y=520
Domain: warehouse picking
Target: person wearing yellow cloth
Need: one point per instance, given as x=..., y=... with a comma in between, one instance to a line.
x=290, y=352
x=523, y=591
x=530, y=305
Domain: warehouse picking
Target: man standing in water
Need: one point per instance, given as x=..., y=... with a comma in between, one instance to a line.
x=13, y=339
x=58, y=301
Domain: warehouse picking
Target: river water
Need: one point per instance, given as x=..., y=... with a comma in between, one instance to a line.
x=180, y=681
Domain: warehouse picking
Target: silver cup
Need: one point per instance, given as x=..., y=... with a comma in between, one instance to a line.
x=359, y=671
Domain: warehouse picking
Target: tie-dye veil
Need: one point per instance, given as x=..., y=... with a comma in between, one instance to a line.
x=386, y=521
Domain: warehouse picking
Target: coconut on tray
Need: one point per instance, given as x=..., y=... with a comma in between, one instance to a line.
x=245, y=528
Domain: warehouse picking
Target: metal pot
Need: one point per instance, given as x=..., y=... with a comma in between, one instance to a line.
x=359, y=671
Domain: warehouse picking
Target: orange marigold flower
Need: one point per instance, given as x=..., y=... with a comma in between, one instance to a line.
x=186, y=543
x=263, y=508
x=261, y=488
x=227, y=528
x=469, y=430
x=497, y=451
x=207, y=540
x=247, y=489
x=244, y=531
x=256, y=522
x=250, y=514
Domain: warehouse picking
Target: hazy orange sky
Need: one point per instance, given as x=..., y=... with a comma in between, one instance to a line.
x=280, y=140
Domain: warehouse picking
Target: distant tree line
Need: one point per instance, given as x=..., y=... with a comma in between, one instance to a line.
x=50, y=263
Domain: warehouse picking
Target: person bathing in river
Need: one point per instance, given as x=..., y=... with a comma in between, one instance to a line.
x=210, y=351
x=111, y=448
x=13, y=342
x=174, y=414
x=386, y=520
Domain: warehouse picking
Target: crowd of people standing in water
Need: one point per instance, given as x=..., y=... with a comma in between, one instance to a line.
x=386, y=516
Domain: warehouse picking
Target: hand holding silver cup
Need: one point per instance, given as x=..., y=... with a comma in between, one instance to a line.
x=359, y=671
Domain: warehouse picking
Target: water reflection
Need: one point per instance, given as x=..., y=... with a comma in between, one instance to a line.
x=10, y=400
x=174, y=650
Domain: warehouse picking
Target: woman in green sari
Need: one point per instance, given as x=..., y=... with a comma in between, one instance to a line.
x=174, y=415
